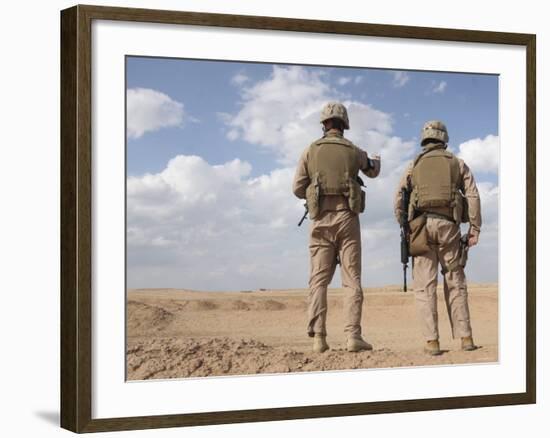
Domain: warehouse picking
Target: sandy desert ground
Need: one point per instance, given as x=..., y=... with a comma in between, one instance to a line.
x=173, y=333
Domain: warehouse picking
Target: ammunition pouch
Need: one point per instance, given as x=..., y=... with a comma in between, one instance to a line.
x=312, y=200
x=356, y=196
x=350, y=188
x=418, y=241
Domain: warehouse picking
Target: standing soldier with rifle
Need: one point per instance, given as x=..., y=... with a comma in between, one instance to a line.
x=443, y=194
x=327, y=176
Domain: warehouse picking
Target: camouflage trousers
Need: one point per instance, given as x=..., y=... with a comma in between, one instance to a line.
x=335, y=233
x=444, y=240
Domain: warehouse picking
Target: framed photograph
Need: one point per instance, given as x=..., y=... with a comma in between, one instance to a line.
x=196, y=288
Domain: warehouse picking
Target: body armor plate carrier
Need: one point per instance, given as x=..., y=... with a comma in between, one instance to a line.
x=333, y=166
x=435, y=181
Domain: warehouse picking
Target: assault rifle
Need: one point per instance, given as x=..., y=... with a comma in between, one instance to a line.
x=305, y=214
x=405, y=234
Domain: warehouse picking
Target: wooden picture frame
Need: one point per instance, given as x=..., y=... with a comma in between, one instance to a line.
x=76, y=217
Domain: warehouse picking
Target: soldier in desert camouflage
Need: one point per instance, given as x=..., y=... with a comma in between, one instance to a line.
x=327, y=177
x=443, y=193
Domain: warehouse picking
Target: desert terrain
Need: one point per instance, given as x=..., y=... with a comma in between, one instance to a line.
x=174, y=333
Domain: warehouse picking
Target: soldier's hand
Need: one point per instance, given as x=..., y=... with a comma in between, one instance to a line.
x=472, y=240
x=374, y=164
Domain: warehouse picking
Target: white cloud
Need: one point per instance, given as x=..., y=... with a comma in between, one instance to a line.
x=281, y=113
x=239, y=79
x=204, y=226
x=481, y=155
x=483, y=258
x=358, y=79
x=489, y=194
x=233, y=134
x=439, y=87
x=344, y=80
x=400, y=78
x=149, y=110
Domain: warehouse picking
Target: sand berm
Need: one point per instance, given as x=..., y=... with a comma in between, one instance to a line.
x=175, y=333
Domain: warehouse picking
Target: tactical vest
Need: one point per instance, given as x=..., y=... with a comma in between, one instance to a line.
x=333, y=166
x=435, y=181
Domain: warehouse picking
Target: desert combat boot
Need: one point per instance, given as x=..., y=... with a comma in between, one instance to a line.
x=432, y=348
x=357, y=343
x=468, y=344
x=320, y=343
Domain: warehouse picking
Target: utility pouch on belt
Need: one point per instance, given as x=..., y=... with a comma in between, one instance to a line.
x=312, y=198
x=418, y=243
x=356, y=198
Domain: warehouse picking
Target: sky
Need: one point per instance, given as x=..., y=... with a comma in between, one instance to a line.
x=212, y=148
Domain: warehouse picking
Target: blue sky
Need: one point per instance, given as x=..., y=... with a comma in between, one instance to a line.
x=468, y=105
x=245, y=124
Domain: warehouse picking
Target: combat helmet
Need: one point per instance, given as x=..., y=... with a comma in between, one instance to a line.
x=335, y=110
x=434, y=130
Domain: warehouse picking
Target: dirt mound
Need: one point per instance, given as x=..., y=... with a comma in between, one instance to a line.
x=175, y=357
x=195, y=357
x=271, y=305
x=176, y=306
x=240, y=305
x=146, y=318
x=204, y=305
